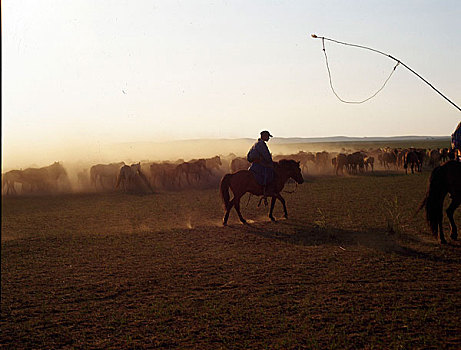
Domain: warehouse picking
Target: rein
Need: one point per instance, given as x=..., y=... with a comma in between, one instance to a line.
x=290, y=192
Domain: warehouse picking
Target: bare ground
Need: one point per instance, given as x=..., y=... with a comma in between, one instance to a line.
x=351, y=268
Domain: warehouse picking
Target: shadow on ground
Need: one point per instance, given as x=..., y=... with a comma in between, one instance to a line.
x=376, y=239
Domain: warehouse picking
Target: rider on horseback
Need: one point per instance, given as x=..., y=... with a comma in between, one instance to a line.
x=261, y=162
x=456, y=143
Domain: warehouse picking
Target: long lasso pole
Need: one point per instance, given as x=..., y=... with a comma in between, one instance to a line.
x=391, y=57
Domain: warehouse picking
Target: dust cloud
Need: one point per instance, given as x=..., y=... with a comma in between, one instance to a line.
x=129, y=152
x=77, y=160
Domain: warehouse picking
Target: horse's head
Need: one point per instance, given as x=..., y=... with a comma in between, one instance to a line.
x=136, y=167
x=57, y=170
x=292, y=168
x=214, y=162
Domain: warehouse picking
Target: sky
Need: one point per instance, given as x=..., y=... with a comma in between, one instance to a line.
x=84, y=73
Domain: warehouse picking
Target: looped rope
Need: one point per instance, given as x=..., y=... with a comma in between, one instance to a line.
x=331, y=82
x=382, y=53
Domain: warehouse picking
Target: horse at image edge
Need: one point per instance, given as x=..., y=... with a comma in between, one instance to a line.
x=444, y=179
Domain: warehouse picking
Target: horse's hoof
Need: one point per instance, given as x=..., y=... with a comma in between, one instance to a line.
x=454, y=237
x=443, y=241
x=272, y=219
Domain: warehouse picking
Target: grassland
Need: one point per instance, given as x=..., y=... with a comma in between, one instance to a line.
x=351, y=268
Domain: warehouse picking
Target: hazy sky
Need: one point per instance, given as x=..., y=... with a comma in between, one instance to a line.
x=99, y=71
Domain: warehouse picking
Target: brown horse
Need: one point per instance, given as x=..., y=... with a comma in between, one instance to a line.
x=213, y=163
x=444, y=179
x=239, y=163
x=129, y=178
x=301, y=157
x=105, y=175
x=389, y=158
x=411, y=160
x=10, y=178
x=162, y=174
x=341, y=163
x=48, y=179
x=244, y=181
x=192, y=172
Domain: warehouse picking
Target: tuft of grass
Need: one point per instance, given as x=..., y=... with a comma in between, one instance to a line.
x=394, y=218
x=322, y=225
x=321, y=222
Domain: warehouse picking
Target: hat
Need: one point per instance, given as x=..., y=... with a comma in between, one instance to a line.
x=266, y=132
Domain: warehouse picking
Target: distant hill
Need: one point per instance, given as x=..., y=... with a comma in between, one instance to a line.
x=290, y=140
x=281, y=140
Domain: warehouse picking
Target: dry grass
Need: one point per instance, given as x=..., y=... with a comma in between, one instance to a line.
x=159, y=271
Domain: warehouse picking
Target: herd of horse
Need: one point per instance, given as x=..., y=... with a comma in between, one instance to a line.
x=45, y=180
x=390, y=158
x=141, y=177
x=236, y=178
x=198, y=173
x=354, y=162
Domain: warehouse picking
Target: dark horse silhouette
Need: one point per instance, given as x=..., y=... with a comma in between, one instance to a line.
x=244, y=181
x=444, y=179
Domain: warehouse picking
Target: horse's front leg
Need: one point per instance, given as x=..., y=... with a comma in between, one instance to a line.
x=271, y=216
x=281, y=199
x=450, y=211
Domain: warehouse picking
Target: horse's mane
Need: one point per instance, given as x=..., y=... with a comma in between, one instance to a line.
x=287, y=163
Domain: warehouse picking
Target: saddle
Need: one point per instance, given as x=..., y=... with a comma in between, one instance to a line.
x=264, y=176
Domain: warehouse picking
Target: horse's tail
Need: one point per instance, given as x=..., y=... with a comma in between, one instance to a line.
x=433, y=201
x=224, y=189
x=119, y=179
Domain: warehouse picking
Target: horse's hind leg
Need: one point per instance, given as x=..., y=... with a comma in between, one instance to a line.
x=450, y=211
x=228, y=209
x=442, y=236
x=271, y=216
x=237, y=209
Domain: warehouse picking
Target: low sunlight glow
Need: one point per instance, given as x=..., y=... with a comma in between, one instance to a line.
x=81, y=76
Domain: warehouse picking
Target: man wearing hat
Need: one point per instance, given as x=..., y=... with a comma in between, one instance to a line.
x=261, y=161
x=456, y=143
